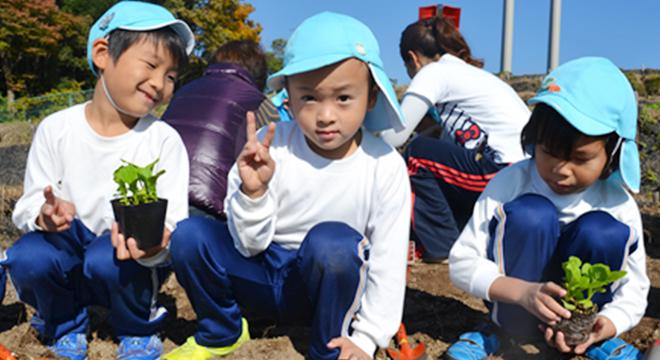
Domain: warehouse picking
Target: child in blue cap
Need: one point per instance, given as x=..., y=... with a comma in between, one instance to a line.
x=569, y=199
x=66, y=260
x=318, y=209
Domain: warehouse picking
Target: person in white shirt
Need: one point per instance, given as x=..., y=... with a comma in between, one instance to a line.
x=72, y=254
x=569, y=199
x=318, y=209
x=481, y=118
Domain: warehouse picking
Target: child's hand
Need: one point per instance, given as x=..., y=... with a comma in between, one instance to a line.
x=347, y=350
x=255, y=166
x=539, y=300
x=56, y=214
x=603, y=329
x=127, y=248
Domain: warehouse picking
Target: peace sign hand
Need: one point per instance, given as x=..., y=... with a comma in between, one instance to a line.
x=255, y=166
x=56, y=214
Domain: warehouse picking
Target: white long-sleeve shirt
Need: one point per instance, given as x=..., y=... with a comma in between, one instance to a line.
x=471, y=270
x=67, y=154
x=473, y=106
x=369, y=190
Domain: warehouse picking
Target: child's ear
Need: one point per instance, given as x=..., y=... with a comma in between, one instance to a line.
x=373, y=96
x=101, y=54
x=416, y=61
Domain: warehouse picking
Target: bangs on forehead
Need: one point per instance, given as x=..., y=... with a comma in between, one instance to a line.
x=546, y=127
x=120, y=40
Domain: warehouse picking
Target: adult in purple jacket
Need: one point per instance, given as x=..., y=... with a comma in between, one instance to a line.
x=209, y=114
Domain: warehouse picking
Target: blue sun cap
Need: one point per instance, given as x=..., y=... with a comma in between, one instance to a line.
x=327, y=38
x=595, y=97
x=137, y=16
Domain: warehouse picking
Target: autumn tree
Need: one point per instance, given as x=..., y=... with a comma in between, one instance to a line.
x=38, y=43
x=43, y=42
x=214, y=24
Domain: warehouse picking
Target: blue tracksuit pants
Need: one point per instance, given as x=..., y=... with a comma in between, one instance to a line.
x=60, y=274
x=528, y=242
x=320, y=284
x=446, y=180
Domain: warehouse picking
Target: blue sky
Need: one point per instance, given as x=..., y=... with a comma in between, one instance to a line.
x=627, y=32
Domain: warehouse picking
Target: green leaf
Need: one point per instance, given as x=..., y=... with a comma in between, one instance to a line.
x=137, y=185
x=583, y=280
x=567, y=305
x=585, y=304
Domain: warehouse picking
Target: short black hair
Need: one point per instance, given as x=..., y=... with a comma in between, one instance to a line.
x=246, y=54
x=549, y=128
x=120, y=40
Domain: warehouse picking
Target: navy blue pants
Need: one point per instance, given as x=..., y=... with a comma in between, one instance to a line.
x=319, y=284
x=527, y=242
x=446, y=180
x=60, y=274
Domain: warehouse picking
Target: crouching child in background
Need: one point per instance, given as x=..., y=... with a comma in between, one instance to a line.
x=318, y=209
x=569, y=199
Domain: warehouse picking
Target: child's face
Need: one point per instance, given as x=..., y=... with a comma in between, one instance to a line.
x=584, y=167
x=330, y=104
x=142, y=77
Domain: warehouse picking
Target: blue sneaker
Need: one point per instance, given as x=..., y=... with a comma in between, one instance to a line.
x=140, y=348
x=71, y=346
x=473, y=345
x=614, y=349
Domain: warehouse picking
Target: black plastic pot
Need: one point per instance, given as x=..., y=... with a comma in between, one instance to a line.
x=143, y=222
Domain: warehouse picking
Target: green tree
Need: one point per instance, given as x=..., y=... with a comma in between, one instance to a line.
x=38, y=43
x=214, y=24
x=43, y=42
x=275, y=57
x=93, y=9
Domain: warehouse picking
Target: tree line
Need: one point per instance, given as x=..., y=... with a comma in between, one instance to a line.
x=43, y=42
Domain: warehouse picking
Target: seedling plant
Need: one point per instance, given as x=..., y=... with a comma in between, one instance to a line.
x=138, y=210
x=582, y=281
x=137, y=185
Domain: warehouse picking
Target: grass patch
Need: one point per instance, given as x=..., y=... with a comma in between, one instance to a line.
x=16, y=133
x=8, y=197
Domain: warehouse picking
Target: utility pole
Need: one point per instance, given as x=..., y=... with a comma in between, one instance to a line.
x=555, y=26
x=507, y=37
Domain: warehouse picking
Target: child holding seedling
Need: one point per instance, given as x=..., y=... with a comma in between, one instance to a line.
x=318, y=210
x=66, y=261
x=569, y=199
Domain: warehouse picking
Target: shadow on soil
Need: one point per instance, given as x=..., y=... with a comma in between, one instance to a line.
x=653, y=309
x=12, y=315
x=440, y=317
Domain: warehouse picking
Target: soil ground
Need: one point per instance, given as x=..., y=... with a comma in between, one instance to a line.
x=435, y=312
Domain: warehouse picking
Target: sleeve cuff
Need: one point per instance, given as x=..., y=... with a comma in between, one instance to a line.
x=364, y=342
x=32, y=226
x=482, y=279
x=248, y=203
x=619, y=318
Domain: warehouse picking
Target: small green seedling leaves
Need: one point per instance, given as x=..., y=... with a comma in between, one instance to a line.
x=137, y=185
x=583, y=280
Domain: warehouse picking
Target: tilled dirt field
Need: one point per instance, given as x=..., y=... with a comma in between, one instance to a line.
x=436, y=313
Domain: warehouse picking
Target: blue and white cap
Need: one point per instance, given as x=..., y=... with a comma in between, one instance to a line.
x=328, y=38
x=595, y=97
x=137, y=16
